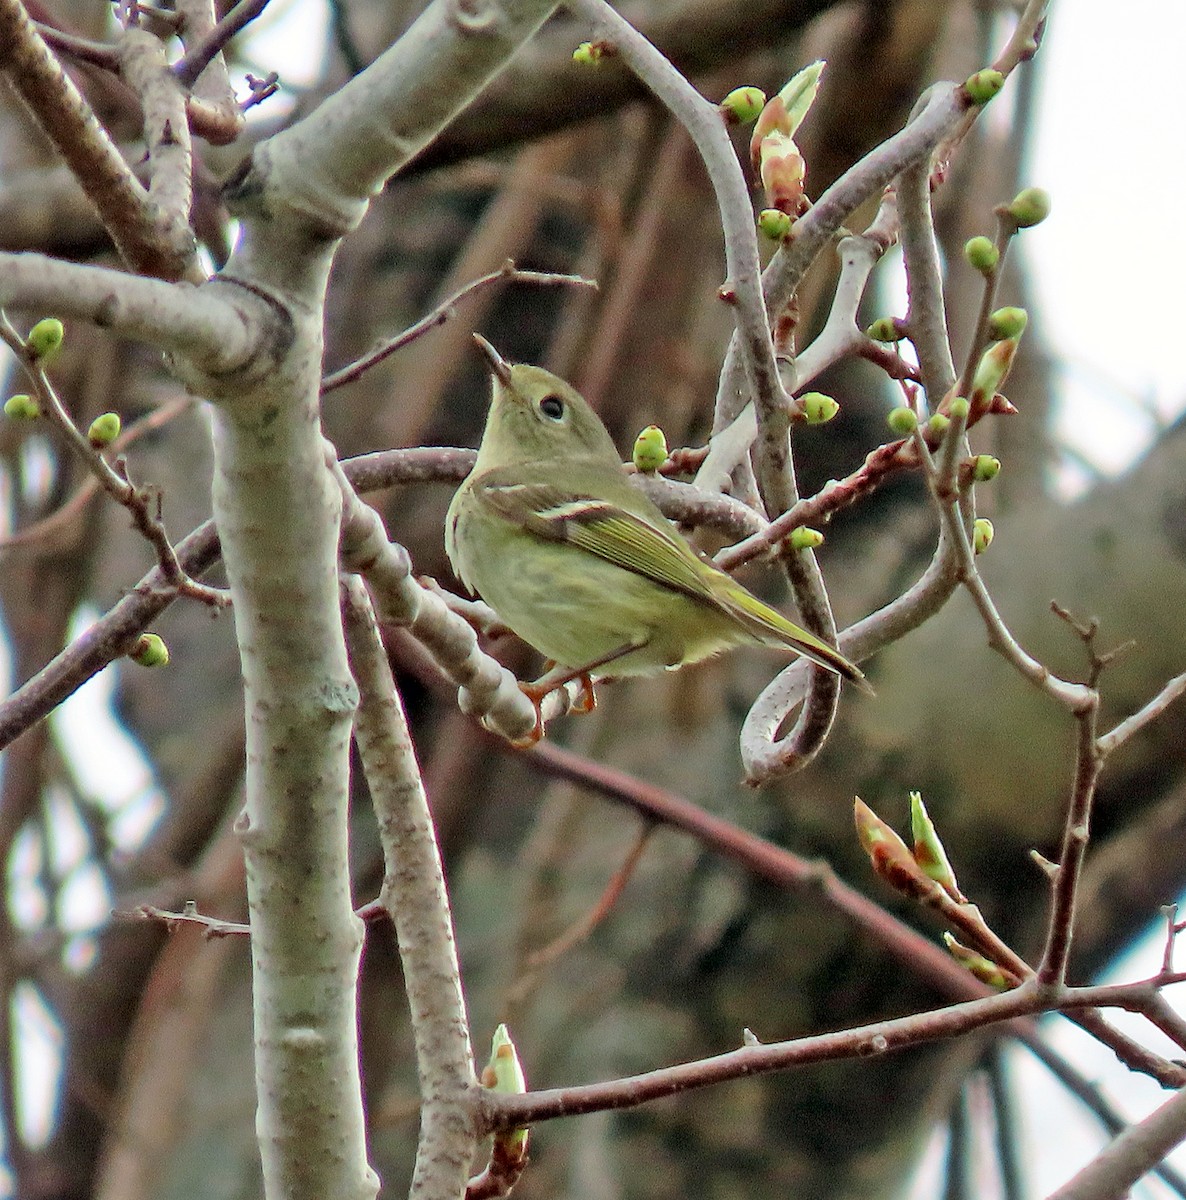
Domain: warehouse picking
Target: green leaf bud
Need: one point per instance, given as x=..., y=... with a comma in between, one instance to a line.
x=981, y=254
x=889, y=855
x=804, y=538
x=984, y=85
x=983, y=968
x=104, y=430
x=742, y=105
x=21, y=407
x=902, y=420
x=799, y=92
x=1031, y=206
x=938, y=424
x=818, y=408
x=588, y=54
x=45, y=338
x=993, y=368
x=958, y=408
x=504, y=1073
x=928, y=849
x=149, y=651
x=985, y=468
x=1007, y=323
x=650, y=449
x=982, y=533
x=885, y=329
x=774, y=223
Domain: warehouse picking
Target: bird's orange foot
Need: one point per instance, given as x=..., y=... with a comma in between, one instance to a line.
x=586, y=702
x=536, y=692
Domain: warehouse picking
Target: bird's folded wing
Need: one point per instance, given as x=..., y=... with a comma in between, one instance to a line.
x=602, y=528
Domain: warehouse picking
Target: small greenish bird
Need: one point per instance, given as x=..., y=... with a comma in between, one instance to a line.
x=582, y=565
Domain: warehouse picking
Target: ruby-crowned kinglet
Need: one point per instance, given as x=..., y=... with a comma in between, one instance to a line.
x=579, y=562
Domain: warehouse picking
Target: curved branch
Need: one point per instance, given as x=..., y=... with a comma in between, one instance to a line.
x=542, y=91
x=763, y=755
x=215, y=325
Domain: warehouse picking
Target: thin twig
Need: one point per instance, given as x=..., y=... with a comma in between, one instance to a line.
x=1074, y=696
x=143, y=503
x=1007, y=1124
x=508, y=272
x=501, y=1111
x=1092, y=1097
x=199, y=56
x=210, y=97
x=212, y=927
x=72, y=508
x=579, y=930
x=96, y=54
x=1136, y=1151
x=1115, y=738
x=1076, y=832
x=788, y=870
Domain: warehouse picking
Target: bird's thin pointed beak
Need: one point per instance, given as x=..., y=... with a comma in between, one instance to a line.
x=498, y=365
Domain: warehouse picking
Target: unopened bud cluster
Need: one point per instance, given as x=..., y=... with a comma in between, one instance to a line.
x=818, y=408
x=742, y=105
x=150, y=651
x=902, y=420
x=21, y=407
x=104, y=430
x=650, y=449
x=776, y=157
x=45, y=339
x=1031, y=206
x=984, y=85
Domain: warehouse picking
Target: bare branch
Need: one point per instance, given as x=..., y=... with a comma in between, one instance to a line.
x=210, y=43
x=1130, y=726
x=1088, y=763
x=167, y=136
x=215, y=324
x=319, y=175
x=927, y=315
x=508, y=272
x=500, y=1111
x=1132, y=1154
x=70, y=123
x=415, y=896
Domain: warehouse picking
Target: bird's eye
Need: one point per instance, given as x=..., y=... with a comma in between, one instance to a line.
x=552, y=407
